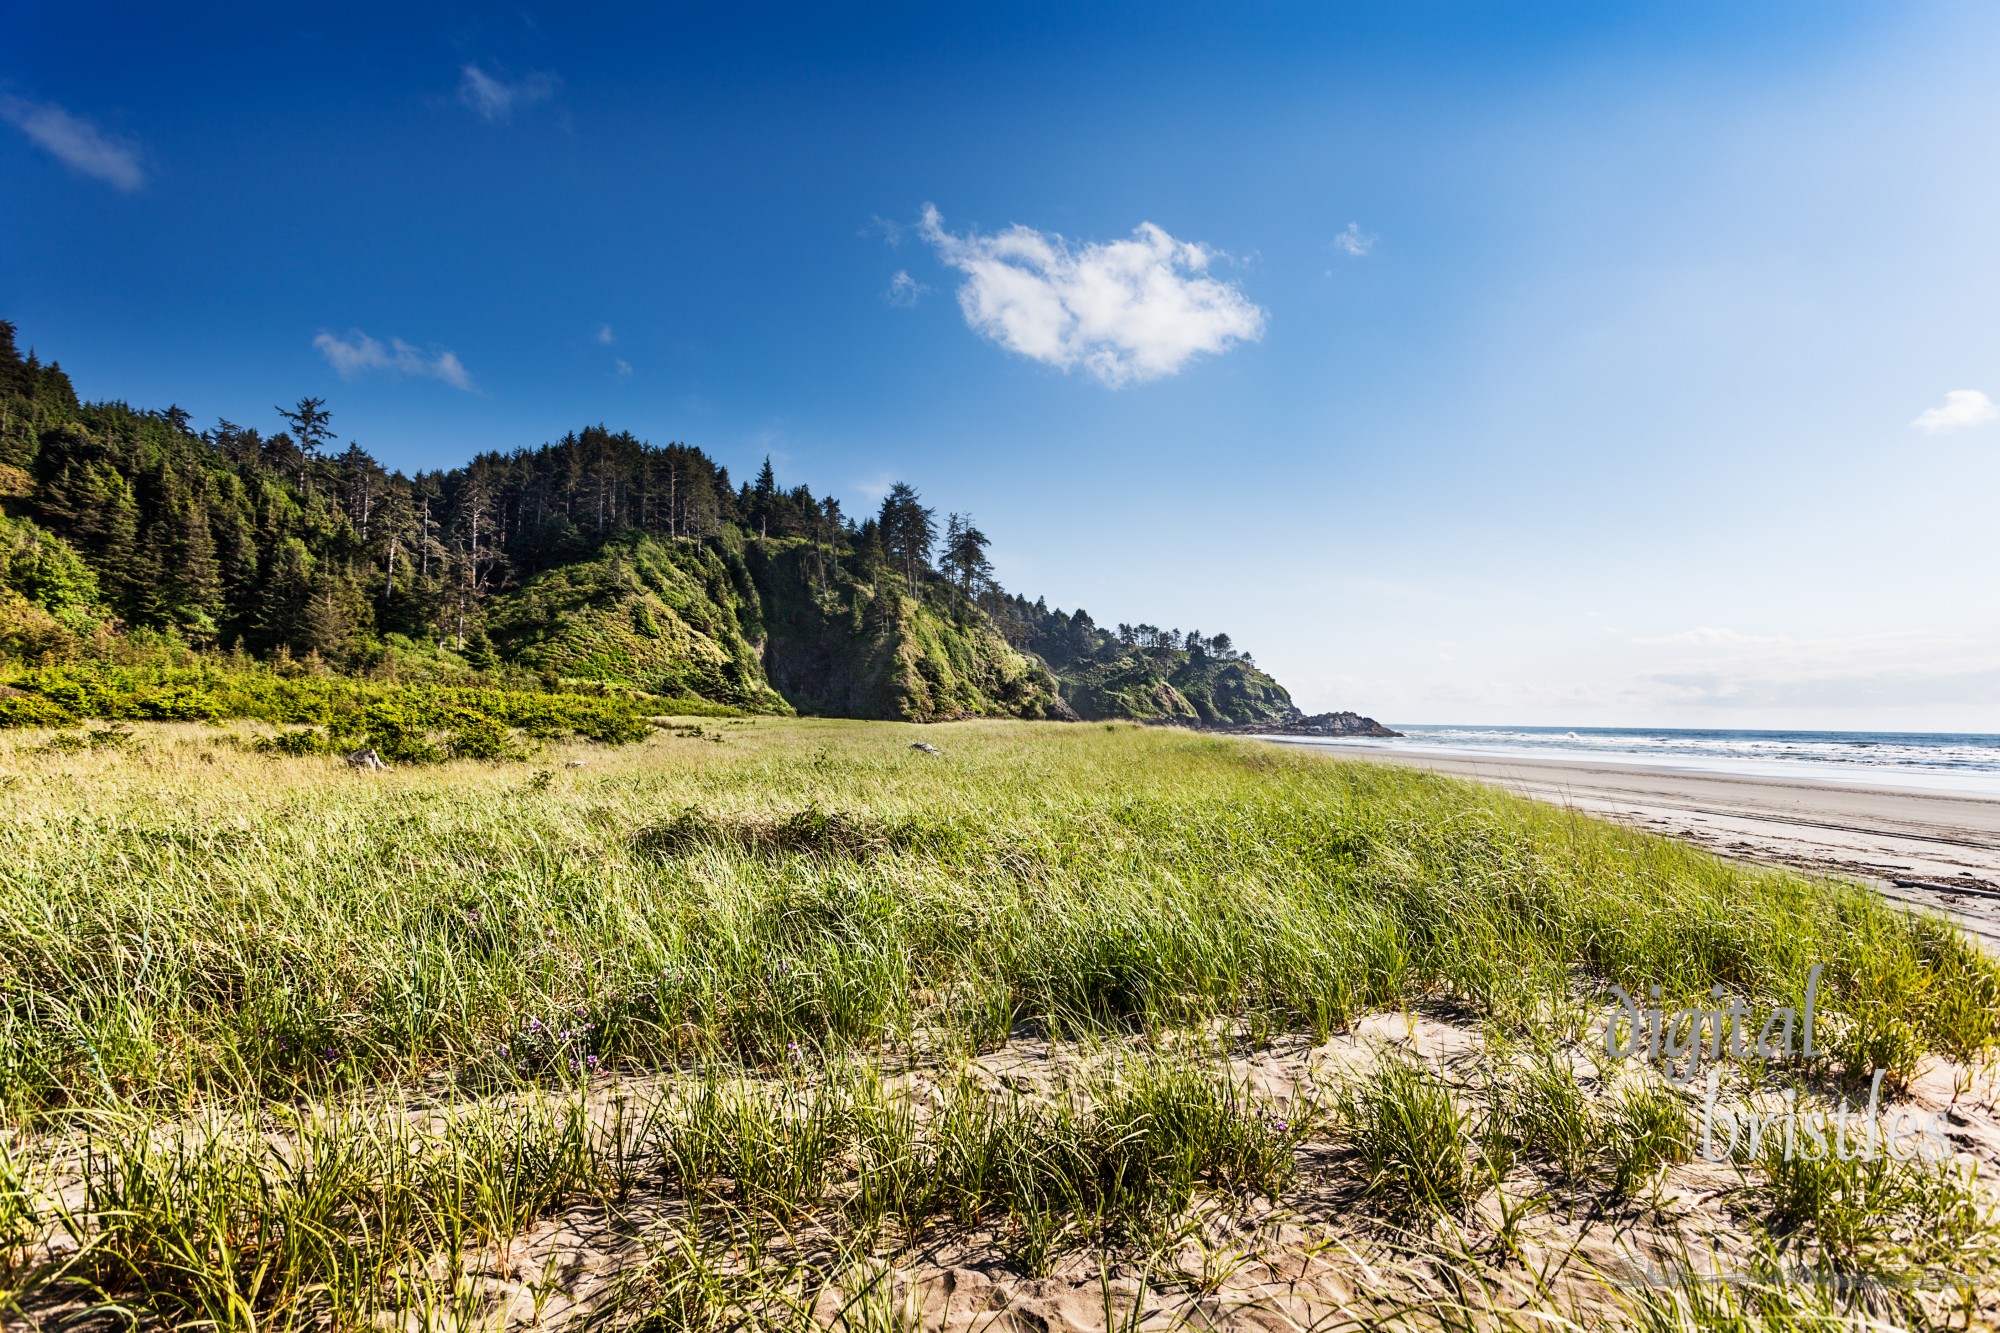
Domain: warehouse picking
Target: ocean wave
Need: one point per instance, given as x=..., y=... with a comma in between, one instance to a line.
x=1961, y=759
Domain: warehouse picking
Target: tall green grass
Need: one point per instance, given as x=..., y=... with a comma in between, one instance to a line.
x=219, y=968
x=178, y=919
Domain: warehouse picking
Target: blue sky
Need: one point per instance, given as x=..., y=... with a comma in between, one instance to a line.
x=1553, y=362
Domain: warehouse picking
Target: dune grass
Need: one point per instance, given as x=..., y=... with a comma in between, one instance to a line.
x=219, y=966
x=188, y=920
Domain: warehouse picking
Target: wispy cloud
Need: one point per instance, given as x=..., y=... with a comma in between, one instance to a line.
x=1724, y=667
x=623, y=367
x=904, y=290
x=1122, y=311
x=1962, y=408
x=1353, y=241
x=359, y=353
x=605, y=335
x=875, y=487
x=75, y=142
x=891, y=232
x=495, y=99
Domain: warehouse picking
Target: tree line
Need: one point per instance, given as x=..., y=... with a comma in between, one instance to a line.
x=289, y=542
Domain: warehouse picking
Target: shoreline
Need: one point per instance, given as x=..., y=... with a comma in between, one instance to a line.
x=1931, y=849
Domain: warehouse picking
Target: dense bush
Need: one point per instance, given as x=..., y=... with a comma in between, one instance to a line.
x=29, y=711
x=403, y=723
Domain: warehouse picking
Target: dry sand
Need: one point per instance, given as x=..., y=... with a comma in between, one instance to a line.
x=1936, y=850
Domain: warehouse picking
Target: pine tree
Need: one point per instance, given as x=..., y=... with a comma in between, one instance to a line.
x=909, y=530
x=197, y=576
x=763, y=498
x=311, y=425
x=964, y=557
x=283, y=596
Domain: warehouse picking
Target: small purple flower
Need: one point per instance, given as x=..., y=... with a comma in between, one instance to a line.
x=590, y=1060
x=473, y=916
x=534, y=1025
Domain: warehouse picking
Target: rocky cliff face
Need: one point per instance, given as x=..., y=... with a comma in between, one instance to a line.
x=677, y=619
x=846, y=648
x=767, y=626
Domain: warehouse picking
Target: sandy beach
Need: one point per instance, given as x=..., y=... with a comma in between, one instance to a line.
x=1936, y=850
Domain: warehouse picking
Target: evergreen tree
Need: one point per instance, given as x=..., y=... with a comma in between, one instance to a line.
x=282, y=599
x=909, y=530
x=964, y=556
x=311, y=427
x=199, y=604
x=762, y=498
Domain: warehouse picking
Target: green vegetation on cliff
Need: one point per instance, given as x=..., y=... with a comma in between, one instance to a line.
x=864, y=646
x=1142, y=671
x=598, y=562
x=672, y=619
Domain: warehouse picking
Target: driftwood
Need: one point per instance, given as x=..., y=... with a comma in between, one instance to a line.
x=367, y=761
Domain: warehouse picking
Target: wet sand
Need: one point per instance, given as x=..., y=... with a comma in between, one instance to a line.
x=1936, y=850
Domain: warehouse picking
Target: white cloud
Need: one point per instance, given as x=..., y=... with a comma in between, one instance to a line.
x=495, y=99
x=1962, y=408
x=904, y=290
x=362, y=353
x=75, y=142
x=605, y=335
x=1352, y=242
x=624, y=367
x=1123, y=311
x=1726, y=668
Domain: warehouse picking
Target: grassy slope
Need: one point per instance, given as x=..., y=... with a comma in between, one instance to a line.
x=198, y=915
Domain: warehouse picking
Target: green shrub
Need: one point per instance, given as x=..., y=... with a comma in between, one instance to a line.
x=29, y=711
x=82, y=695
x=476, y=736
x=176, y=703
x=303, y=741
x=410, y=723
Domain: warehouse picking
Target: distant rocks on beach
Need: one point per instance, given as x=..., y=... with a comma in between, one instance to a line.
x=1334, y=724
x=1299, y=724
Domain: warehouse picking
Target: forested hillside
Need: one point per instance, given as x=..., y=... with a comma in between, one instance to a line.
x=597, y=560
x=1143, y=671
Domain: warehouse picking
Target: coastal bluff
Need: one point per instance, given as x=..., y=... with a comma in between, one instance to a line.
x=1298, y=724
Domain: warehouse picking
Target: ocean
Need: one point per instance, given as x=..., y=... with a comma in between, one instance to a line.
x=1948, y=761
